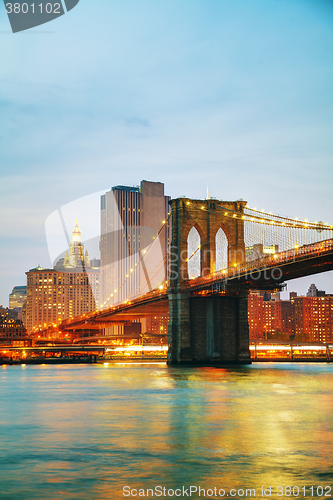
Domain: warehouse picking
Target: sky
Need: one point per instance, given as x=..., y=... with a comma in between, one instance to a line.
x=234, y=93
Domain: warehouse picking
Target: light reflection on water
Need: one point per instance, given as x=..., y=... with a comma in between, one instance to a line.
x=86, y=431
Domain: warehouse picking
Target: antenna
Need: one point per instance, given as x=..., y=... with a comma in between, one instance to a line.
x=207, y=192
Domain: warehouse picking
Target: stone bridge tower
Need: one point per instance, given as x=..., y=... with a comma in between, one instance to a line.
x=206, y=329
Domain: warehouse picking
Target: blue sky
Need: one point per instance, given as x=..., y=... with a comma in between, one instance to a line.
x=234, y=93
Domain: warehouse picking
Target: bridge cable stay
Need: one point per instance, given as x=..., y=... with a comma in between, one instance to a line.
x=283, y=232
x=143, y=256
x=158, y=268
x=269, y=230
x=264, y=233
x=137, y=292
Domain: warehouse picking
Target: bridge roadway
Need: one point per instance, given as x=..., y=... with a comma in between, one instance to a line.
x=267, y=273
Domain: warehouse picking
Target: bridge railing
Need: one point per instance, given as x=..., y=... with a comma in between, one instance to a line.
x=271, y=261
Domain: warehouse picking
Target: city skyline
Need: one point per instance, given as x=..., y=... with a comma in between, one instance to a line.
x=237, y=95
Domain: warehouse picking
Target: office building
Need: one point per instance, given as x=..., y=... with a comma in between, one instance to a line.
x=133, y=246
x=17, y=297
x=68, y=290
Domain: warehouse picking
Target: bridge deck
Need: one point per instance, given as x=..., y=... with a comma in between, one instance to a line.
x=260, y=274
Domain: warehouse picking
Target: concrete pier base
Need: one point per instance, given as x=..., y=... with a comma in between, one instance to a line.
x=208, y=330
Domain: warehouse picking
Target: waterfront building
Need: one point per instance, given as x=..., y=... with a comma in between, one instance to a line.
x=11, y=329
x=255, y=315
x=307, y=318
x=7, y=313
x=68, y=290
x=314, y=318
x=157, y=325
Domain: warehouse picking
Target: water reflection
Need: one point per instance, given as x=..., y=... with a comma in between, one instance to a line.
x=86, y=431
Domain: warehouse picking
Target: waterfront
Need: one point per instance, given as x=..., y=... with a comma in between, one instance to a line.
x=86, y=431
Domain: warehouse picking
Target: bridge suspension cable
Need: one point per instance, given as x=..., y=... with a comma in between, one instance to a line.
x=283, y=232
x=268, y=229
x=137, y=268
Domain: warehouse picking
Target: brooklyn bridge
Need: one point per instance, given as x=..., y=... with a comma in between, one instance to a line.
x=215, y=257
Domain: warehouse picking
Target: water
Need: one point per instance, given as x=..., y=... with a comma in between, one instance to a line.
x=86, y=431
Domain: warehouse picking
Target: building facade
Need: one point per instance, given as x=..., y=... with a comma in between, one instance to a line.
x=68, y=290
x=131, y=218
x=17, y=297
x=135, y=238
x=314, y=318
x=307, y=319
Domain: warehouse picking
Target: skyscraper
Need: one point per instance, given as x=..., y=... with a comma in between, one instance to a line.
x=131, y=218
x=17, y=297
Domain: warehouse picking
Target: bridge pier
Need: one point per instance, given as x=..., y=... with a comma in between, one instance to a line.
x=208, y=330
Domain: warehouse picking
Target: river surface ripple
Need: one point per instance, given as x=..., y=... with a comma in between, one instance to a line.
x=86, y=431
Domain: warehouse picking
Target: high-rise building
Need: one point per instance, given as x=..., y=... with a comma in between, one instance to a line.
x=68, y=290
x=17, y=297
x=314, y=318
x=314, y=292
x=255, y=316
x=131, y=218
x=133, y=247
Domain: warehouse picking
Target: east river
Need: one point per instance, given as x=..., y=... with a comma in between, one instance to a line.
x=115, y=431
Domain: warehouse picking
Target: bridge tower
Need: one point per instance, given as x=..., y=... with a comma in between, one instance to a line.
x=206, y=329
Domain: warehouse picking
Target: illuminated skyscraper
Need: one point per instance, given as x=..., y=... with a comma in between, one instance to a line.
x=131, y=218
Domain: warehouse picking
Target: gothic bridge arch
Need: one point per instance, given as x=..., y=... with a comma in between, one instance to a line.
x=207, y=216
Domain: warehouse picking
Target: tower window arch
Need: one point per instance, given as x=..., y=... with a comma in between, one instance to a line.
x=221, y=243
x=193, y=253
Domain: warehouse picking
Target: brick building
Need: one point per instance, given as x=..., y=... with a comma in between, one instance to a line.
x=307, y=318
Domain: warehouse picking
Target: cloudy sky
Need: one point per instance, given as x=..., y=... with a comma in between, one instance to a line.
x=234, y=93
